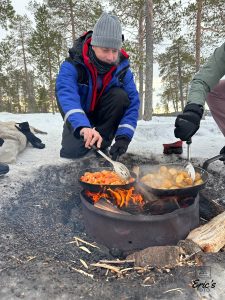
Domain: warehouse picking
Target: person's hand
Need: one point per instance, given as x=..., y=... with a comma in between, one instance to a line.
x=222, y=151
x=119, y=147
x=91, y=137
x=188, y=122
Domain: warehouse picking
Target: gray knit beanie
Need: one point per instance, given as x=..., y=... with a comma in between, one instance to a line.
x=107, y=32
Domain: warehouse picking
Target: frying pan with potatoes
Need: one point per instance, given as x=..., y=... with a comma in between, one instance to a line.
x=171, y=179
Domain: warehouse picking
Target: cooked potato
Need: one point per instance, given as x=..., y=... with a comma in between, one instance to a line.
x=170, y=178
x=172, y=171
x=197, y=176
x=167, y=183
x=174, y=187
x=163, y=169
x=147, y=177
x=188, y=181
x=179, y=178
x=200, y=181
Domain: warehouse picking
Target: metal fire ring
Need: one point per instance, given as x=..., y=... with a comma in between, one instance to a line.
x=135, y=232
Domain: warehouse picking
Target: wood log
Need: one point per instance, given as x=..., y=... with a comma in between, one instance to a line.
x=190, y=248
x=108, y=206
x=157, y=256
x=211, y=236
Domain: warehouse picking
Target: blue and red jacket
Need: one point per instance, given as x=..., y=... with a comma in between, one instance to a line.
x=76, y=98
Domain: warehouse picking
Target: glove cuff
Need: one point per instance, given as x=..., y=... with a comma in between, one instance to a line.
x=123, y=137
x=195, y=108
x=76, y=132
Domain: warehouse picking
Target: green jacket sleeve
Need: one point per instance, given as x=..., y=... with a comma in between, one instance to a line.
x=207, y=77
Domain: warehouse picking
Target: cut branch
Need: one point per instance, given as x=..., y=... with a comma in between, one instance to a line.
x=211, y=236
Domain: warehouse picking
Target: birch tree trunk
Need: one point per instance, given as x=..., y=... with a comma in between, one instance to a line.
x=149, y=60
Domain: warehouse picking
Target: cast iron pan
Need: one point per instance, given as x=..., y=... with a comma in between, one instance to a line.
x=188, y=191
x=99, y=188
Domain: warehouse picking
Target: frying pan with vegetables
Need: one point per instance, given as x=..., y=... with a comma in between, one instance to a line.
x=100, y=187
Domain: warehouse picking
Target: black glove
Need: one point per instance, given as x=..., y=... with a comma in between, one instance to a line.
x=188, y=122
x=76, y=132
x=25, y=129
x=119, y=147
x=1, y=142
x=222, y=151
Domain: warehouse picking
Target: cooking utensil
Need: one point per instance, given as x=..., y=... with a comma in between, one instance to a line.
x=100, y=187
x=186, y=191
x=188, y=166
x=118, y=167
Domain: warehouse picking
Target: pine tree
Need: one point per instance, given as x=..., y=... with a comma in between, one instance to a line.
x=148, y=30
x=45, y=46
x=6, y=13
x=9, y=94
x=206, y=20
x=74, y=17
x=21, y=30
x=177, y=66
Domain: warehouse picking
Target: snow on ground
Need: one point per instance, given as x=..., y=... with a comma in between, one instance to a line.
x=147, y=141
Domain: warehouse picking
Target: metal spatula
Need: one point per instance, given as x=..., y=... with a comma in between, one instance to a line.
x=188, y=166
x=118, y=167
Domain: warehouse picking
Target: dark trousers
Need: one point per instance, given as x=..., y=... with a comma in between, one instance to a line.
x=105, y=118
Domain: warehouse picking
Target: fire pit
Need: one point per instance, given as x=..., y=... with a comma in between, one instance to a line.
x=137, y=217
x=126, y=231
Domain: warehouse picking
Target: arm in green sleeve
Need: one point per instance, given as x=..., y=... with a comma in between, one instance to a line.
x=207, y=77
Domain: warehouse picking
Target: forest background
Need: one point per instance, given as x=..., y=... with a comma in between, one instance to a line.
x=178, y=36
